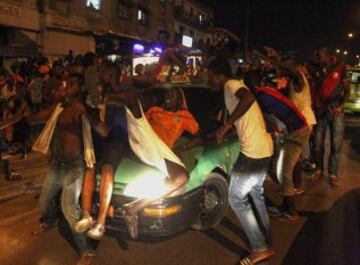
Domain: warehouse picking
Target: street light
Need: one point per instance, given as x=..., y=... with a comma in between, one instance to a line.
x=350, y=35
x=345, y=52
x=338, y=51
x=357, y=56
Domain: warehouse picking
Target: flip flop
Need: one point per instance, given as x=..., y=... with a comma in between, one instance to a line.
x=245, y=261
x=13, y=176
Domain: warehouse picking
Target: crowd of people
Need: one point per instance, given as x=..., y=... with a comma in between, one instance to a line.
x=88, y=116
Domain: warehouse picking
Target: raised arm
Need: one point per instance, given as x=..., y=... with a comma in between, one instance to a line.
x=292, y=71
x=40, y=117
x=125, y=97
x=99, y=126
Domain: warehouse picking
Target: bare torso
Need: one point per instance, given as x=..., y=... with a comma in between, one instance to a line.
x=69, y=131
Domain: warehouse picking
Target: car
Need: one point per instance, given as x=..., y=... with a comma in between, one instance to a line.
x=353, y=104
x=203, y=202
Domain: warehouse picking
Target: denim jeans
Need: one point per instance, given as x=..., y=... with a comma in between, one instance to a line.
x=289, y=155
x=336, y=125
x=68, y=177
x=247, y=179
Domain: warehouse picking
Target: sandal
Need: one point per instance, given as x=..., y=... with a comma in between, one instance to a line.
x=84, y=224
x=334, y=181
x=87, y=258
x=256, y=257
x=131, y=223
x=317, y=176
x=300, y=190
x=97, y=232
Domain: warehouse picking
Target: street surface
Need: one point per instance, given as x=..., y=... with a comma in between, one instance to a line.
x=327, y=234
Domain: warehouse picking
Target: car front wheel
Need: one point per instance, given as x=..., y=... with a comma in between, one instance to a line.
x=214, y=202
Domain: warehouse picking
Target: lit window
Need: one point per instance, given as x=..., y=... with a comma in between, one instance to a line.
x=202, y=19
x=93, y=4
x=141, y=16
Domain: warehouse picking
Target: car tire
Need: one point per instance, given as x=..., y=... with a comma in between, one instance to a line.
x=214, y=202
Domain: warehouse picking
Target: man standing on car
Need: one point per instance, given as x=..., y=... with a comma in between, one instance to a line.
x=250, y=169
x=332, y=93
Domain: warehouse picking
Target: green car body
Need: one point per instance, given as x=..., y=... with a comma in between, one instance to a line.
x=203, y=201
x=353, y=104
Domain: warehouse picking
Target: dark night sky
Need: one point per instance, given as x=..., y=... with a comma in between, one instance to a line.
x=291, y=24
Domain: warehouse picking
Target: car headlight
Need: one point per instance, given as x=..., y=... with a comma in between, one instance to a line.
x=150, y=185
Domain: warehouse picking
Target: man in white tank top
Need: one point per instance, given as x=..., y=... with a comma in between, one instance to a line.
x=249, y=171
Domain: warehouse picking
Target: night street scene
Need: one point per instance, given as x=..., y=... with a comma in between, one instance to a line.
x=179, y=132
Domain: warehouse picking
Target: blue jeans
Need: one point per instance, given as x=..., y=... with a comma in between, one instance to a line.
x=336, y=125
x=247, y=179
x=68, y=177
x=290, y=153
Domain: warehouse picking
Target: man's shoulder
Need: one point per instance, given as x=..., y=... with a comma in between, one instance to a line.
x=155, y=109
x=234, y=84
x=79, y=105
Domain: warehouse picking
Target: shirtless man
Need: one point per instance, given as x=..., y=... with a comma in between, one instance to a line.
x=67, y=159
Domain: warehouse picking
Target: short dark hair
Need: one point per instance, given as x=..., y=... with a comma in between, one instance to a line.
x=252, y=79
x=79, y=77
x=323, y=48
x=220, y=66
x=112, y=67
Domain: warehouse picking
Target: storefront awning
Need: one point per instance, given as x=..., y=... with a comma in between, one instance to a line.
x=17, y=44
x=115, y=43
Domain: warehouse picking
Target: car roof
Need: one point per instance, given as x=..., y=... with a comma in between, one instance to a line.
x=182, y=85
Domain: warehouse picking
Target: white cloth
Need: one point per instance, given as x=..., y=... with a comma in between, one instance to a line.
x=302, y=100
x=42, y=143
x=255, y=141
x=147, y=145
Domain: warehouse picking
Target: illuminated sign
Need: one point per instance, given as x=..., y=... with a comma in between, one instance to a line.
x=138, y=48
x=10, y=10
x=187, y=41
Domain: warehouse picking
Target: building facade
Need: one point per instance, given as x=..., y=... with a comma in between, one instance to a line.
x=194, y=20
x=53, y=27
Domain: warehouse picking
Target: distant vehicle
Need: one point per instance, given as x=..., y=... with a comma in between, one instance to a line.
x=202, y=204
x=353, y=104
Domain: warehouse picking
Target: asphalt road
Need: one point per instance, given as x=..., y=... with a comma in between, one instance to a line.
x=328, y=232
